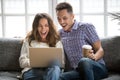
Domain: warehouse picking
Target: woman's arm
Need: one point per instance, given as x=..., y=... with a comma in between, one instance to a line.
x=60, y=45
x=24, y=59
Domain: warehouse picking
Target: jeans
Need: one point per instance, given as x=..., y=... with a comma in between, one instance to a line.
x=87, y=70
x=51, y=73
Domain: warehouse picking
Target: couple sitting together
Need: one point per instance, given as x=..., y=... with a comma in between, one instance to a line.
x=71, y=38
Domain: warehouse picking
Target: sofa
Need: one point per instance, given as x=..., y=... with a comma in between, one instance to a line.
x=10, y=51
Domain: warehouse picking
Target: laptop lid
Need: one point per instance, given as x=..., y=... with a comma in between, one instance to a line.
x=41, y=57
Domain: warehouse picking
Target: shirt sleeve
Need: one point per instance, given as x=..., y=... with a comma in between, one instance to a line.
x=91, y=34
x=24, y=58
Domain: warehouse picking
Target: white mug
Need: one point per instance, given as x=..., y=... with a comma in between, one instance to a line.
x=86, y=50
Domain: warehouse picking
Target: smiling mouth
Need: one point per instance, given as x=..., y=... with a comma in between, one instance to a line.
x=43, y=33
x=64, y=26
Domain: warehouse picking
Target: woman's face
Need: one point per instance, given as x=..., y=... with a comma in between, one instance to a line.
x=43, y=28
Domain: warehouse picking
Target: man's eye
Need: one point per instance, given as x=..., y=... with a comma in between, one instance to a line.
x=58, y=18
x=64, y=18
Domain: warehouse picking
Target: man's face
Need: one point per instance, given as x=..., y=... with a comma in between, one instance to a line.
x=65, y=19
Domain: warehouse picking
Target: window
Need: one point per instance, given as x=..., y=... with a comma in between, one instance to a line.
x=97, y=21
x=113, y=5
x=35, y=6
x=14, y=6
x=16, y=16
x=113, y=27
x=0, y=27
x=0, y=21
x=93, y=6
x=0, y=6
x=15, y=26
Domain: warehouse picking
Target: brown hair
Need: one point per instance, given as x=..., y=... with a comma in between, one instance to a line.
x=64, y=5
x=52, y=36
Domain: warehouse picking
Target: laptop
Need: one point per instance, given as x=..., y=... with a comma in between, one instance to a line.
x=41, y=57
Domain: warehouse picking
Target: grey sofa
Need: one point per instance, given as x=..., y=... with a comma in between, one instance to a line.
x=10, y=51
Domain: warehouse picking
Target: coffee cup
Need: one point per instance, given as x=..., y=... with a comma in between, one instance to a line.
x=86, y=50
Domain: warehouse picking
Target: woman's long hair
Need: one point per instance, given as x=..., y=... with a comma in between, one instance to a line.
x=52, y=36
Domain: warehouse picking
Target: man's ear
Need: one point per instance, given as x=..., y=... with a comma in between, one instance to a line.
x=72, y=16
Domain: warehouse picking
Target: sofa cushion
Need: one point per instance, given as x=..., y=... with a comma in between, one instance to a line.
x=111, y=48
x=9, y=75
x=113, y=76
x=9, y=53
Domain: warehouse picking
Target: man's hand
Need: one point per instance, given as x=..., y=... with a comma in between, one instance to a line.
x=91, y=55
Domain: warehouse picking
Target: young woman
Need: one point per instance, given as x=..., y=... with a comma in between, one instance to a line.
x=43, y=34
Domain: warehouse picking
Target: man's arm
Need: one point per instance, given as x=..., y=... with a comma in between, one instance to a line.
x=98, y=51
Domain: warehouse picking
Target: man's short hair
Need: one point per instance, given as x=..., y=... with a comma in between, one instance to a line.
x=64, y=5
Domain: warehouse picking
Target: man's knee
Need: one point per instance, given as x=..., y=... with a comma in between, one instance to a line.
x=84, y=62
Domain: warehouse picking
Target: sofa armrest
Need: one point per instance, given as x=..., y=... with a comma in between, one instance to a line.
x=111, y=48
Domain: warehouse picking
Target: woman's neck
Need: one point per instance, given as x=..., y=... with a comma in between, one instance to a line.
x=44, y=40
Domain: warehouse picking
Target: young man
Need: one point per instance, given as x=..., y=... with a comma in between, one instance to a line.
x=73, y=36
